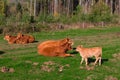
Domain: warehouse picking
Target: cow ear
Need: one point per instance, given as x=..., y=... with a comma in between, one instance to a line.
x=70, y=42
x=66, y=40
x=63, y=42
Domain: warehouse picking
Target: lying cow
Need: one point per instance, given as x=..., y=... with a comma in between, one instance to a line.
x=24, y=39
x=19, y=39
x=10, y=39
x=55, y=47
x=85, y=53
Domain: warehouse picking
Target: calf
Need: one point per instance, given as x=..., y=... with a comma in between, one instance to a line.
x=85, y=53
x=10, y=39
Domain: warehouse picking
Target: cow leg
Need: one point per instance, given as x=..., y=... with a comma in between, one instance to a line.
x=86, y=61
x=96, y=61
x=99, y=61
x=82, y=60
x=65, y=55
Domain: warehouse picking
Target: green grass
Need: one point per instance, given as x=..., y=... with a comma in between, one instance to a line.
x=22, y=57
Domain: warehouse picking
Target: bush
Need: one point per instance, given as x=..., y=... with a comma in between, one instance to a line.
x=77, y=14
x=14, y=28
x=2, y=19
x=46, y=18
x=100, y=13
x=25, y=18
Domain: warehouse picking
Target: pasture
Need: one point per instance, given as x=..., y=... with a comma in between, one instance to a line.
x=22, y=62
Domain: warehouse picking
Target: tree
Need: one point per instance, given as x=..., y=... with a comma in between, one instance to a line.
x=2, y=7
x=34, y=8
x=31, y=12
x=19, y=11
x=31, y=7
x=100, y=12
x=56, y=8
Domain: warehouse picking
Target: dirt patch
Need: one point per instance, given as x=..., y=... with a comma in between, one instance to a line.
x=111, y=78
x=5, y=69
x=33, y=63
x=87, y=67
x=117, y=55
x=115, y=58
x=91, y=77
x=50, y=66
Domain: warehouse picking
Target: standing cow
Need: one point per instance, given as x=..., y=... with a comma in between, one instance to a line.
x=85, y=53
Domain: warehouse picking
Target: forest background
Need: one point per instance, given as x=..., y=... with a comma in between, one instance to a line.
x=42, y=15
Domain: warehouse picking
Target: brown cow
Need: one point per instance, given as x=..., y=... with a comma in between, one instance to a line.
x=10, y=39
x=24, y=39
x=55, y=47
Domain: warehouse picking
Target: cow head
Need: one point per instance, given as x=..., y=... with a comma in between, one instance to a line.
x=79, y=47
x=7, y=37
x=66, y=41
x=19, y=35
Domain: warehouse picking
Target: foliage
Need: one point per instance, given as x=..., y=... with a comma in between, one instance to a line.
x=63, y=19
x=1, y=7
x=77, y=14
x=25, y=18
x=45, y=18
x=100, y=13
x=19, y=7
x=19, y=11
x=2, y=19
x=16, y=27
x=23, y=27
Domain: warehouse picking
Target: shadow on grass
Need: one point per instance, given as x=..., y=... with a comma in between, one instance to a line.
x=1, y=52
x=74, y=51
x=90, y=60
x=35, y=41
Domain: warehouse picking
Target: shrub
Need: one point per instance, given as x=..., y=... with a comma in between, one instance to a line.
x=2, y=19
x=100, y=13
x=25, y=18
x=46, y=18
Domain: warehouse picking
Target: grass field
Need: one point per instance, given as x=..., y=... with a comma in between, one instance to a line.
x=24, y=63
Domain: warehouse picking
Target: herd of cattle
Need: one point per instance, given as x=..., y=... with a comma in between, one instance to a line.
x=57, y=47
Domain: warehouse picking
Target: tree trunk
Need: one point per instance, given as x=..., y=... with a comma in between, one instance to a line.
x=111, y=6
x=68, y=7
x=30, y=7
x=86, y=6
x=106, y=1
x=80, y=2
x=92, y=2
x=55, y=8
x=119, y=7
x=34, y=8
